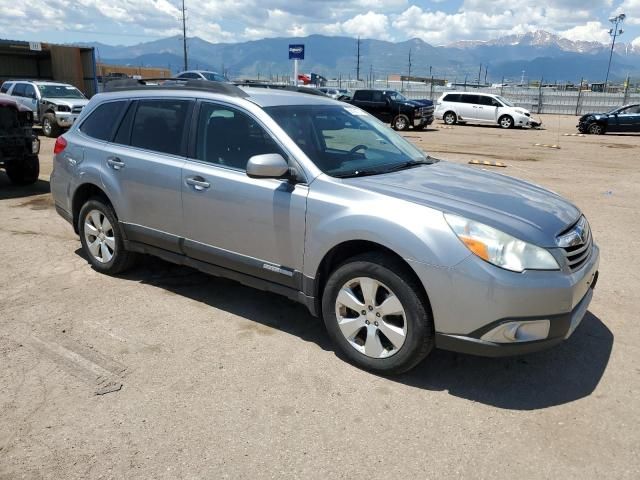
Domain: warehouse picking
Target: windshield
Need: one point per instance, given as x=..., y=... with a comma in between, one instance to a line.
x=505, y=101
x=214, y=77
x=397, y=96
x=60, y=91
x=345, y=141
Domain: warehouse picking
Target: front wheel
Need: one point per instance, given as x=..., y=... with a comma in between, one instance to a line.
x=401, y=122
x=450, y=118
x=596, y=129
x=505, y=121
x=25, y=171
x=376, y=315
x=50, y=126
x=101, y=237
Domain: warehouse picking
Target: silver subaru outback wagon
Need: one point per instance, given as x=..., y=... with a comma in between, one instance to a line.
x=317, y=200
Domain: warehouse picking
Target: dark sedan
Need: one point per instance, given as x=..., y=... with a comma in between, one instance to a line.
x=623, y=119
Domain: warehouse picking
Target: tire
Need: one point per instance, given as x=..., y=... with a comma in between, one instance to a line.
x=401, y=122
x=109, y=256
x=450, y=118
x=420, y=127
x=25, y=171
x=50, y=126
x=385, y=347
x=505, y=121
x=596, y=129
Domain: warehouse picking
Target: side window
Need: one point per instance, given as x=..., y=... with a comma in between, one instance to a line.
x=159, y=125
x=486, y=101
x=123, y=135
x=29, y=91
x=376, y=96
x=363, y=96
x=101, y=122
x=18, y=90
x=470, y=99
x=189, y=75
x=5, y=87
x=452, y=97
x=229, y=137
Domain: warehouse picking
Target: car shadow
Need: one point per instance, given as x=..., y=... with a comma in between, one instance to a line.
x=560, y=375
x=9, y=191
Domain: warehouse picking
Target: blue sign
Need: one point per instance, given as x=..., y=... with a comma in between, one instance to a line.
x=296, y=52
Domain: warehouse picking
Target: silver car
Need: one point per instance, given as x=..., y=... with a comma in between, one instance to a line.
x=317, y=200
x=55, y=105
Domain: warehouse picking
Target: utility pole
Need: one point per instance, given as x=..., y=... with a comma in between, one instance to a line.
x=486, y=72
x=358, y=63
x=479, y=74
x=409, y=76
x=184, y=35
x=614, y=32
x=371, y=76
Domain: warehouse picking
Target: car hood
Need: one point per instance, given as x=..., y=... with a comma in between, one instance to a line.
x=70, y=102
x=419, y=103
x=519, y=208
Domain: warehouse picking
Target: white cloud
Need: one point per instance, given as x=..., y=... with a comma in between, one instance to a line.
x=590, y=31
x=368, y=25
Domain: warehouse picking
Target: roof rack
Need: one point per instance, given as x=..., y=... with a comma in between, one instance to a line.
x=120, y=85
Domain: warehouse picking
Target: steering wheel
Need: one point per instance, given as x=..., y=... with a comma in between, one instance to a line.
x=358, y=147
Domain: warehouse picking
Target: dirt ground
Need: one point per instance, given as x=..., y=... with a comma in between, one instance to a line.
x=168, y=373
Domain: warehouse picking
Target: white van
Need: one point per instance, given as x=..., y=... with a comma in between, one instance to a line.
x=463, y=107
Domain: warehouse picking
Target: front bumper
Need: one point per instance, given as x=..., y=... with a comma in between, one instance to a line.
x=475, y=298
x=422, y=121
x=66, y=119
x=524, y=121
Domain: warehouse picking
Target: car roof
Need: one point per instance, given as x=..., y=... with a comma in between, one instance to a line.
x=473, y=93
x=265, y=97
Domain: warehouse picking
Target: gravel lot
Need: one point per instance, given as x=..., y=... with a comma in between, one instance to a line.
x=168, y=373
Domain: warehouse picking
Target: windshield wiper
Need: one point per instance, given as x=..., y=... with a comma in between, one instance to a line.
x=412, y=163
x=360, y=173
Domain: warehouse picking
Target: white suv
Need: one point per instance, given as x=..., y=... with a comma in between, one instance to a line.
x=462, y=107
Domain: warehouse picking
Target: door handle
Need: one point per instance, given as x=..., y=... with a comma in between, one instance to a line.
x=115, y=163
x=198, y=183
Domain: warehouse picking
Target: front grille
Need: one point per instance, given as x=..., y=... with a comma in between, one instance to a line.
x=76, y=109
x=425, y=111
x=580, y=246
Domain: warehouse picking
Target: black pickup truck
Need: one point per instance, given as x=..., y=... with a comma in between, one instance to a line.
x=19, y=146
x=394, y=108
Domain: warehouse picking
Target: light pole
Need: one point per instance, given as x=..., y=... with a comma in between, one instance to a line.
x=614, y=32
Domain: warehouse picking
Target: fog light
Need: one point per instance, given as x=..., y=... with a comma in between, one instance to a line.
x=524, y=331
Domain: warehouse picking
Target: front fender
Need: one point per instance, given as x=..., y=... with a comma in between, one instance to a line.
x=338, y=213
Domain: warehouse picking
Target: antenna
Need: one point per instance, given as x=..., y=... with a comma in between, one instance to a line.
x=184, y=35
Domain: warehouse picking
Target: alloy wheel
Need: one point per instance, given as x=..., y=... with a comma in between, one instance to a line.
x=401, y=123
x=371, y=317
x=99, y=236
x=46, y=127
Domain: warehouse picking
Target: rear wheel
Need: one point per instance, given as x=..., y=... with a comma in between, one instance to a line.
x=102, y=239
x=50, y=126
x=374, y=312
x=596, y=129
x=450, y=118
x=401, y=122
x=25, y=171
x=505, y=121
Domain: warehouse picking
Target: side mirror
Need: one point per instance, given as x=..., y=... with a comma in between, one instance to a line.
x=269, y=165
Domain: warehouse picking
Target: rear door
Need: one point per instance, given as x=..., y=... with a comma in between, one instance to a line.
x=141, y=169
x=254, y=226
x=468, y=108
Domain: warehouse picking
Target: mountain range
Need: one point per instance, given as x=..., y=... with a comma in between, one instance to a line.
x=540, y=55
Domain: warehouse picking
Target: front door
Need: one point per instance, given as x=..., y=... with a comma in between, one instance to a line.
x=253, y=226
x=628, y=120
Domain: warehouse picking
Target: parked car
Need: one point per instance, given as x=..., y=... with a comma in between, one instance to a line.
x=336, y=93
x=19, y=147
x=317, y=200
x=622, y=119
x=54, y=105
x=462, y=107
x=203, y=75
x=394, y=108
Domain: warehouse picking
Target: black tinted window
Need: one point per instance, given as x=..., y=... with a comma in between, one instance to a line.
x=5, y=87
x=470, y=99
x=159, y=125
x=376, y=96
x=123, y=135
x=229, y=137
x=102, y=121
x=482, y=100
x=362, y=95
x=18, y=90
x=452, y=97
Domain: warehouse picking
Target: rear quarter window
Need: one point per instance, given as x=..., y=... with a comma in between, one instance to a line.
x=5, y=87
x=101, y=123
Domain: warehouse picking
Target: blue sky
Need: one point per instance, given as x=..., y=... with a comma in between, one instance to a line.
x=436, y=21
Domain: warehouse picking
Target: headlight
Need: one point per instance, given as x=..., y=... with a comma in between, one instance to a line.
x=63, y=108
x=499, y=248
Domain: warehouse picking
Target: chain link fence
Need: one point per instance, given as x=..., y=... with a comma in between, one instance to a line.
x=536, y=99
